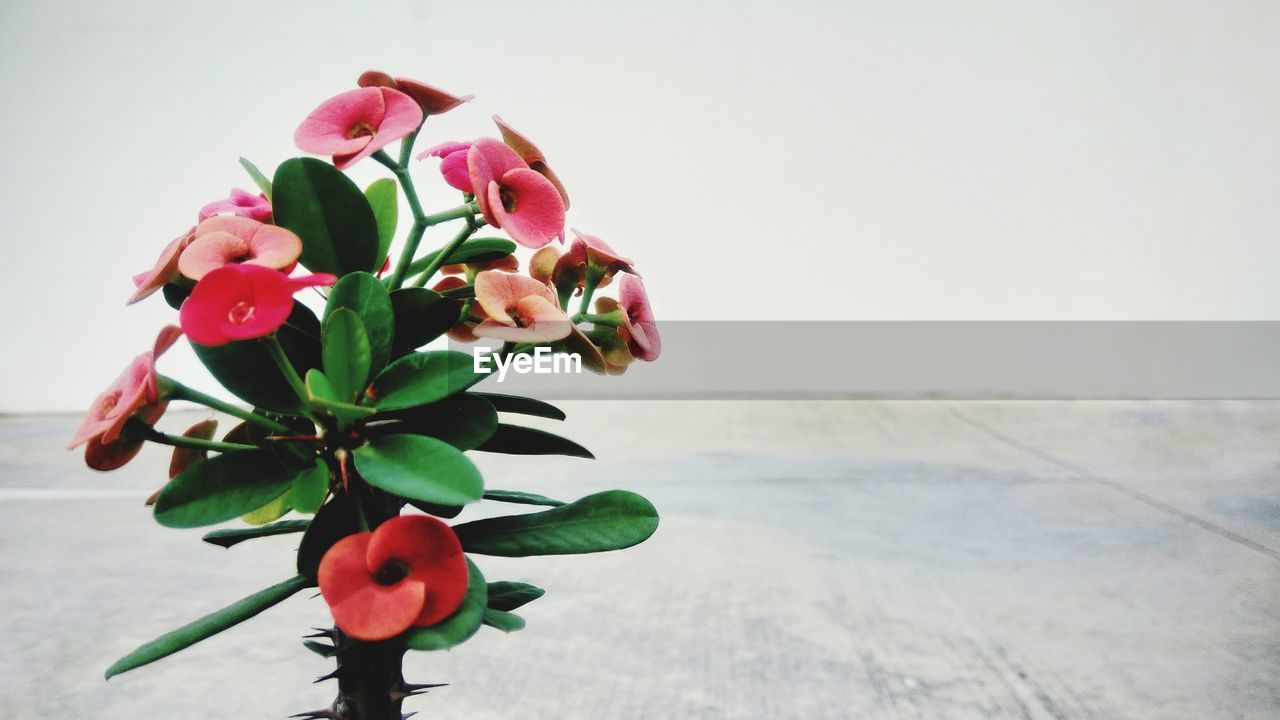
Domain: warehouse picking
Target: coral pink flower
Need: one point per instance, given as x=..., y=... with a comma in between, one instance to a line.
x=506, y=263
x=242, y=203
x=358, y=123
x=519, y=309
x=641, y=330
x=107, y=456
x=531, y=155
x=589, y=255
x=165, y=270
x=410, y=572
x=453, y=163
x=133, y=392
x=513, y=197
x=227, y=239
x=543, y=263
x=433, y=101
x=241, y=302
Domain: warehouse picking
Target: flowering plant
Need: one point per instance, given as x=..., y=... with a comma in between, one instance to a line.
x=352, y=427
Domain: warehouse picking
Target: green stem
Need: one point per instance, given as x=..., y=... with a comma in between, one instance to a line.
x=589, y=285
x=617, y=318
x=468, y=210
x=274, y=347
x=419, y=219
x=194, y=443
x=179, y=391
x=406, y=145
x=442, y=257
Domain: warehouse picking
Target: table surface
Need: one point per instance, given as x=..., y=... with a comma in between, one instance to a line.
x=840, y=559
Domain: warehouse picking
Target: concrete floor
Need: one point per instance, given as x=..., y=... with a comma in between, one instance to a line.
x=895, y=559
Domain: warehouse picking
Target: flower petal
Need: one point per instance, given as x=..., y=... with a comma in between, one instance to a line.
x=536, y=216
x=531, y=155
x=434, y=557
x=498, y=292
x=361, y=606
x=487, y=161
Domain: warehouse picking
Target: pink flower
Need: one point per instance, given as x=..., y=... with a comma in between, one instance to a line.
x=165, y=270
x=242, y=203
x=433, y=101
x=531, y=155
x=133, y=392
x=358, y=123
x=227, y=239
x=512, y=196
x=107, y=456
x=641, y=330
x=453, y=163
x=241, y=302
x=519, y=309
x=588, y=255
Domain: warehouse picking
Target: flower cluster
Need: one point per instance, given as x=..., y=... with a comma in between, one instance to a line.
x=350, y=421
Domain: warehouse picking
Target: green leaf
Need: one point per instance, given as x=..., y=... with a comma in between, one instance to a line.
x=508, y=595
x=258, y=178
x=207, y=626
x=175, y=294
x=322, y=393
x=459, y=626
x=365, y=295
x=329, y=212
x=609, y=520
x=521, y=498
x=381, y=195
x=522, y=405
x=324, y=650
x=309, y=488
x=346, y=353
x=443, y=511
x=423, y=378
x=478, y=250
x=334, y=521
x=419, y=468
x=222, y=488
x=505, y=621
x=234, y=536
x=270, y=512
x=422, y=315
x=463, y=420
x=246, y=368
x=519, y=440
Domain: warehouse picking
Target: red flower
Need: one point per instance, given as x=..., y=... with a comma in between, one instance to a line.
x=410, y=572
x=432, y=100
x=241, y=302
x=514, y=197
x=134, y=392
x=358, y=123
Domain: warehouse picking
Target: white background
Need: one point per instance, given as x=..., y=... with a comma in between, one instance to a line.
x=799, y=160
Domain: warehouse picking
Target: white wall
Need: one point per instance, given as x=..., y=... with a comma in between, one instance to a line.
x=872, y=160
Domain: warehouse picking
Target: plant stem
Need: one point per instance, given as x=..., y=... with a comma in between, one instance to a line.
x=442, y=257
x=419, y=218
x=406, y=145
x=589, y=285
x=182, y=392
x=286, y=368
x=617, y=318
x=194, y=443
x=467, y=210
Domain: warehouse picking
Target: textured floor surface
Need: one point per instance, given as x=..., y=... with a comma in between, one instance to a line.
x=909, y=559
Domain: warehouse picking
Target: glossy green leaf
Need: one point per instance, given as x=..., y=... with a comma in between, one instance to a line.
x=441, y=511
x=522, y=405
x=519, y=440
x=324, y=650
x=422, y=378
x=329, y=212
x=509, y=595
x=270, y=512
x=234, y=536
x=346, y=353
x=381, y=195
x=310, y=488
x=604, y=521
x=459, y=626
x=334, y=521
x=258, y=178
x=420, y=468
x=246, y=368
x=421, y=315
x=477, y=250
x=207, y=626
x=175, y=294
x=521, y=498
x=222, y=488
x=323, y=395
x=366, y=296
x=505, y=621
x=463, y=420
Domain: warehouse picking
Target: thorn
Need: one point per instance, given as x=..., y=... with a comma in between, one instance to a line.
x=326, y=714
x=322, y=633
x=414, y=687
x=408, y=715
x=330, y=676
